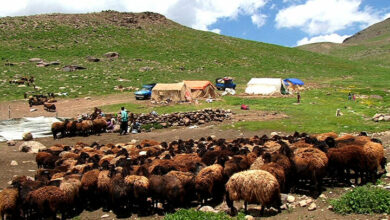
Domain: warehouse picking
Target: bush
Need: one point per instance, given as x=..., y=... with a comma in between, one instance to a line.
x=184, y=214
x=363, y=200
x=155, y=125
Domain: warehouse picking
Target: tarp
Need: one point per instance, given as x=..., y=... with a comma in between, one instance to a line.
x=293, y=81
x=264, y=86
x=201, y=89
x=173, y=91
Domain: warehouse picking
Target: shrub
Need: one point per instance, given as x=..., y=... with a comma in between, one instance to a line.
x=363, y=200
x=184, y=214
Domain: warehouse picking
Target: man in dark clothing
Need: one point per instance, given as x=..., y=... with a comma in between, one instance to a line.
x=299, y=97
x=124, y=121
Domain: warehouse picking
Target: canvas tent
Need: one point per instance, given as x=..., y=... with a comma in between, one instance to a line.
x=265, y=86
x=173, y=91
x=201, y=89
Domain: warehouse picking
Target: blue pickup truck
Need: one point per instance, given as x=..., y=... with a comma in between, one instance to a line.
x=145, y=92
x=223, y=83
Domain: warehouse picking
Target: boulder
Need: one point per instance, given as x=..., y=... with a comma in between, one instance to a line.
x=249, y=217
x=111, y=54
x=35, y=60
x=93, y=59
x=31, y=147
x=303, y=203
x=290, y=199
x=11, y=143
x=14, y=163
x=27, y=136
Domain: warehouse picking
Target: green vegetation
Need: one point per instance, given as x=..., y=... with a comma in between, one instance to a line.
x=363, y=200
x=184, y=214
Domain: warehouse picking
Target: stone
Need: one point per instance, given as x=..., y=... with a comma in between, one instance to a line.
x=207, y=209
x=14, y=163
x=33, y=110
x=27, y=136
x=111, y=54
x=388, y=175
x=134, y=141
x=312, y=207
x=11, y=143
x=35, y=60
x=145, y=69
x=105, y=216
x=31, y=147
x=386, y=118
x=87, y=98
x=93, y=59
x=303, y=203
x=274, y=133
x=330, y=207
x=323, y=196
x=284, y=207
x=290, y=199
x=249, y=217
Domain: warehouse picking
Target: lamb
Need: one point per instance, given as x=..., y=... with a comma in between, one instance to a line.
x=209, y=182
x=253, y=186
x=9, y=203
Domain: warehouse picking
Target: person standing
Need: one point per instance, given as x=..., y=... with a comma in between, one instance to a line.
x=299, y=97
x=349, y=96
x=124, y=121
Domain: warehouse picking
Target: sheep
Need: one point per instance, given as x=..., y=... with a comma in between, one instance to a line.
x=346, y=158
x=209, y=182
x=47, y=201
x=89, y=185
x=277, y=171
x=324, y=136
x=71, y=128
x=9, y=203
x=187, y=162
x=311, y=163
x=86, y=127
x=40, y=157
x=236, y=164
x=253, y=186
x=375, y=156
x=71, y=188
x=138, y=187
x=58, y=127
x=49, y=107
x=187, y=179
x=99, y=125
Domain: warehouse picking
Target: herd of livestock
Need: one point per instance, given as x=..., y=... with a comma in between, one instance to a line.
x=96, y=125
x=152, y=176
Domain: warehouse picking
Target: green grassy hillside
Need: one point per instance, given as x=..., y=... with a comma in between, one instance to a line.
x=169, y=51
x=371, y=45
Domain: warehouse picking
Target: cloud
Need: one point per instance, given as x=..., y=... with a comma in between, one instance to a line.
x=259, y=19
x=335, y=38
x=198, y=14
x=325, y=16
x=216, y=30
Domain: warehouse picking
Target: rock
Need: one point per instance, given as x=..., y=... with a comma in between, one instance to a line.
x=207, y=209
x=213, y=136
x=111, y=54
x=71, y=68
x=303, y=203
x=14, y=163
x=134, y=141
x=11, y=143
x=87, y=98
x=312, y=207
x=33, y=110
x=376, y=97
x=309, y=200
x=330, y=207
x=35, y=60
x=284, y=207
x=145, y=69
x=105, y=216
x=388, y=175
x=290, y=199
x=93, y=59
x=31, y=147
x=274, y=133
x=323, y=196
x=27, y=136
x=386, y=118
x=249, y=217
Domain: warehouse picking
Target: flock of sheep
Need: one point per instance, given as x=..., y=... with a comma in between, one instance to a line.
x=151, y=176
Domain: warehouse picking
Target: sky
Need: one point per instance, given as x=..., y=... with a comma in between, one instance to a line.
x=284, y=22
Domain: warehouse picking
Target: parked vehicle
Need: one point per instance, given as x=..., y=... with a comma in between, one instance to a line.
x=223, y=83
x=145, y=92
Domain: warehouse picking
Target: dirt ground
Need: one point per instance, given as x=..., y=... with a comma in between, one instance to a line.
x=65, y=107
x=27, y=166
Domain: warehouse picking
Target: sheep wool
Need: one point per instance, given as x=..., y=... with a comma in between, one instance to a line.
x=253, y=186
x=8, y=201
x=207, y=177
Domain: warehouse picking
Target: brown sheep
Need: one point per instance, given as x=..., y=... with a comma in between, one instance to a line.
x=58, y=127
x=253, y=186
x=138, y=187
x=277, y=171
x=99, y=125
x=236, y=164
x=375, y=156
x=41, y=157
x=209, y=182
x=86, y=127
x=187, y=162
x=71, y=128
x=47, y=201
x=9, y=203
x=311, y=163
x=71, y=188
x=324, y=136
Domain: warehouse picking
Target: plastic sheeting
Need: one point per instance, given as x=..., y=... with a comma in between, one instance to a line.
x=294, y=81
x=13, y=129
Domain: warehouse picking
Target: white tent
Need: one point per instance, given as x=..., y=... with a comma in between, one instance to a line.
x=264, y=86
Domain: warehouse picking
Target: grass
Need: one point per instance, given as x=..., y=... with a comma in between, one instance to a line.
x=184, y=214
x=363, y=200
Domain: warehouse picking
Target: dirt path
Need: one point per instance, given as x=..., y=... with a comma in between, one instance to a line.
x=65, y=107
